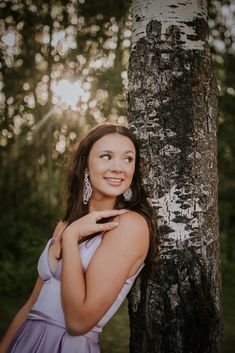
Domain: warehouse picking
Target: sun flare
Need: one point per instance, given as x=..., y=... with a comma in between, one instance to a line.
x=69, y=93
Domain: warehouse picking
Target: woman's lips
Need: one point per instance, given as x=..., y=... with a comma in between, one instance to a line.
x=114, y=181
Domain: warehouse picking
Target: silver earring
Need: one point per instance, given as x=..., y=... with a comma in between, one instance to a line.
x=87, y=189
x=128, y=194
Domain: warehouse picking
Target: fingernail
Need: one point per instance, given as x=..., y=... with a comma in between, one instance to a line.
x=124, y=210
x=113, y=224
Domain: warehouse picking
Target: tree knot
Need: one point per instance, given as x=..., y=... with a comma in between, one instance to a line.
x=173, y=35
x=153, y=30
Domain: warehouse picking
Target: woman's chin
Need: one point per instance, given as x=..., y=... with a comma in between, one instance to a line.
x=112, y=193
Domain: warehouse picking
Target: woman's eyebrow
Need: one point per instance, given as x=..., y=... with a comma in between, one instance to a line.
x=108, y=151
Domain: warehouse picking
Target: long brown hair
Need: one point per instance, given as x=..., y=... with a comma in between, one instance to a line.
x=139, y=202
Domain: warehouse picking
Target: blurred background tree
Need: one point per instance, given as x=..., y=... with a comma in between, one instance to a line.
x=64, y=69
x=222, y=34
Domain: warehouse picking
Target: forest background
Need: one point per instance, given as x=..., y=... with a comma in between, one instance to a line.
x=63, y=70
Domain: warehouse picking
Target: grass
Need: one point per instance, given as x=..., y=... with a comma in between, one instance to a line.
x=115, y=335
x=229, y=309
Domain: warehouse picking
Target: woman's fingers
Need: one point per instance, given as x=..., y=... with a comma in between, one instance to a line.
x=90, y=228
x=98, y=228
x=87, y=225
x=107, y=226
x=108, y=213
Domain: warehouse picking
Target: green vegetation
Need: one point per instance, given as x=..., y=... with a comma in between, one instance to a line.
x=229, y=308
x=115, y=335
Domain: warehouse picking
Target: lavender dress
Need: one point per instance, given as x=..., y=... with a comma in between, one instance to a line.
x=44, y=331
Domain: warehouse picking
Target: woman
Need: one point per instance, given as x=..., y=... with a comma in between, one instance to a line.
x=97, y=250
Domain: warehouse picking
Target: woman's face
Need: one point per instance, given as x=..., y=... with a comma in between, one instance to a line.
x=111, y=165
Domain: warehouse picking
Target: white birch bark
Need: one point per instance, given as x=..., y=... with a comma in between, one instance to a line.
x=172, y=109
x=168, y=12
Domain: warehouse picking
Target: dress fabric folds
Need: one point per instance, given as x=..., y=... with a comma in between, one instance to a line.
x=44, y=330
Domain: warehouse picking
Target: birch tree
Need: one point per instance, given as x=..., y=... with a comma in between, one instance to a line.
x=172, y=109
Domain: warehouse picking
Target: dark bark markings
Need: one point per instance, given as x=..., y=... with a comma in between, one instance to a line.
x=173, y=91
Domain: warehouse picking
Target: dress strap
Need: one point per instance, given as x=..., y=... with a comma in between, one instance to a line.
x=60, y=232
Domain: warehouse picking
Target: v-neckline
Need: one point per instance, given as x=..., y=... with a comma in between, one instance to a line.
x=48, y=257
x=59, y=262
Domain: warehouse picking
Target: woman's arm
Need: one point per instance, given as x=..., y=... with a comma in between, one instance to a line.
x=86, y=297
x=20, y=317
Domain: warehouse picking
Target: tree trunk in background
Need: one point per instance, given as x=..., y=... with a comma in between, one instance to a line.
x=172, y=109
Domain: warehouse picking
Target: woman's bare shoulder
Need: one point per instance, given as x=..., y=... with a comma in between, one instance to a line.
x=133, y=220
x=132, y=232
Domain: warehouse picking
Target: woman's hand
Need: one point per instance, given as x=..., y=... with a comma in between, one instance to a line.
x=88, y=224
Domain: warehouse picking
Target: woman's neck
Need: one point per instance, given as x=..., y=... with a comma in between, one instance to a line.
x=100, y=205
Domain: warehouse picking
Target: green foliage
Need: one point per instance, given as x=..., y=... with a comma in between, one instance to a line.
x=25, y=230
x=222, y=45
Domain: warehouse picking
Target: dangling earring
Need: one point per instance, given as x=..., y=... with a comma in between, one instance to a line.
x=87, y=189
x=128, y=194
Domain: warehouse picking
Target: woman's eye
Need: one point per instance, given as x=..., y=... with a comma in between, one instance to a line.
x=129, y=159
x=105, y=156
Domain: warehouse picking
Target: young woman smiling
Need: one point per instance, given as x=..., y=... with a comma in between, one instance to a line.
x=100, y=246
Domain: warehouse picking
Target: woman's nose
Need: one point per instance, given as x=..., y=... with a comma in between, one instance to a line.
x=116, y=166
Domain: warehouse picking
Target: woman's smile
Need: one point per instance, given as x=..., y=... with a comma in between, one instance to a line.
x=113, y=181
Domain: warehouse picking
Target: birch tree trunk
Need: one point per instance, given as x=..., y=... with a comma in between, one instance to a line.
x=172, y=109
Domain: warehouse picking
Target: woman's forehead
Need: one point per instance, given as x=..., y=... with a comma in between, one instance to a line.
x=114, y=142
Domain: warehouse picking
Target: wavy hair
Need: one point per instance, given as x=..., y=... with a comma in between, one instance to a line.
x=75, y=183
